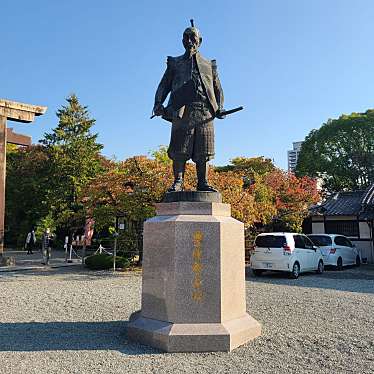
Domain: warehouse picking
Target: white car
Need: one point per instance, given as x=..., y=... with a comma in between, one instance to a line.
x=337, y=250
x=289, y=252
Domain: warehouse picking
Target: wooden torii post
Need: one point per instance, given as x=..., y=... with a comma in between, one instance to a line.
x=17, y=112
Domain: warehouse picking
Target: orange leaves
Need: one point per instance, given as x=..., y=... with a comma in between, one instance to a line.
x=134, y=185
x=293, y=196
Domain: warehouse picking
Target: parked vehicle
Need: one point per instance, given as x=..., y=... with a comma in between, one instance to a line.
x=337, y=250
x=289, y=252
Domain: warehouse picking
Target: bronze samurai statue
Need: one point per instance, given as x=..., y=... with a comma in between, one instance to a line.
x=196, y=98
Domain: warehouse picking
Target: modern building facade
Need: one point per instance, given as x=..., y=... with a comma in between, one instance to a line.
x=293, y=155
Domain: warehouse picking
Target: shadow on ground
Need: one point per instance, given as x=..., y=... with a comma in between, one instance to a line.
x=351, y=279
x=69, y=336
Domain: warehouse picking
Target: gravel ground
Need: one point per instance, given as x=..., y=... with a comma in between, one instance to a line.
x=69, y=321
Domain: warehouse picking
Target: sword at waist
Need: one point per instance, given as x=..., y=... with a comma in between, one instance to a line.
x=230, y=111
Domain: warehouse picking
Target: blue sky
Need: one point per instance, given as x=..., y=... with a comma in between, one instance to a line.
x=292, y=64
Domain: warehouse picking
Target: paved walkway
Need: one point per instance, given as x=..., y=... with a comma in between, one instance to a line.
x=34, y=261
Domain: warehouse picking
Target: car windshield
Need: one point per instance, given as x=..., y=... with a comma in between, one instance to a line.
x=320, y=240
x=270, y=241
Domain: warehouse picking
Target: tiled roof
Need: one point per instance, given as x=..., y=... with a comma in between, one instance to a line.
x=347, y=204
x=343, y=204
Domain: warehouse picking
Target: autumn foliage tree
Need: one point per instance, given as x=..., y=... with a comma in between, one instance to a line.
x=136, y=184
x=292, y=197
x=272, y=196
x=131, y=186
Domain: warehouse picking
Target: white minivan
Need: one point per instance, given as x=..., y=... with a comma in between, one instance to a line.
x=337, y=250
x=284, y=251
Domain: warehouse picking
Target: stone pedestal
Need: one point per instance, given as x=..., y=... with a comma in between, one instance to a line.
x=193, y=296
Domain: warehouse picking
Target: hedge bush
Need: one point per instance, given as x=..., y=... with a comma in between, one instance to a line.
x=103, y=261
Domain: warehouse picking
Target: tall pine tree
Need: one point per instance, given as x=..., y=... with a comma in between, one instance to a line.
x=74, y=160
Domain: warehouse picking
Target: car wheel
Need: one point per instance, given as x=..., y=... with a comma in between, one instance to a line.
x=257, y=272
x=339, y=264
x=320, y=267
x=358, y=261
x=295, y=271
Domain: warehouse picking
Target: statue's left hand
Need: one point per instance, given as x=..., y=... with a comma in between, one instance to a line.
x=158, y=110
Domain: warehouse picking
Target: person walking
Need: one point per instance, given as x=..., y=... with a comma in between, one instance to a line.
x=46, y=246
x=30, y=242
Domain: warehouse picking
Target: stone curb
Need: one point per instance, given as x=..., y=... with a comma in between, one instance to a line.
x=26, y=268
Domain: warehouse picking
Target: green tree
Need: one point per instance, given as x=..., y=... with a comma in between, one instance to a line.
x=26, y=189
x=341, y=152
x=74, y=160
x=161, y=155
x=251, y=168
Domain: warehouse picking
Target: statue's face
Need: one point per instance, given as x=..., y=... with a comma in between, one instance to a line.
x=191, y=40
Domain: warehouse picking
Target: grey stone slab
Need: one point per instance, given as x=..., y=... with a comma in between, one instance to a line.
x=158, y=286
x=194, y=208
x=233, y=304
x=193, y=337
x=213, y=197
x=208, y=308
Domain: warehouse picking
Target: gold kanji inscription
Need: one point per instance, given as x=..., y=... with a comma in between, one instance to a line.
x=197, y=266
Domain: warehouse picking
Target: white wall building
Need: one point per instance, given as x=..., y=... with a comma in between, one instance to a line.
x=349, y=213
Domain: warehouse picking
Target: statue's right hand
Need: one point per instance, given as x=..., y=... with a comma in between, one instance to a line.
x=158, y=110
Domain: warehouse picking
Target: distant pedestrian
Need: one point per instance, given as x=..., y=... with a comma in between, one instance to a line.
x=30, y=242
x=46, y=246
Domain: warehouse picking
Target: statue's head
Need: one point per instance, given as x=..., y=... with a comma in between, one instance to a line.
x=192, y=39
